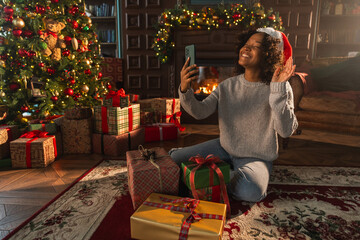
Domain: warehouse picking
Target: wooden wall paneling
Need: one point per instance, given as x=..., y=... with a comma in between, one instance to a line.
x=142, y=68
x=299, y=21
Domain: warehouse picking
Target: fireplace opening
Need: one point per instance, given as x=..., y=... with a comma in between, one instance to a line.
x=211, y=74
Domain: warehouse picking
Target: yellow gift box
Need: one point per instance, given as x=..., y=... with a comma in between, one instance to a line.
x=151, y=222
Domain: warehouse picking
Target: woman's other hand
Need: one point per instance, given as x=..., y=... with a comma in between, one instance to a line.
x=188, y=74
x=284, y=74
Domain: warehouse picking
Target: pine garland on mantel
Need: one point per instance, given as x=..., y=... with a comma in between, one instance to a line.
x=209, y=18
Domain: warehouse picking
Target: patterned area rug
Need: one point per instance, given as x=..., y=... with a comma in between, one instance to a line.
x=302, y=203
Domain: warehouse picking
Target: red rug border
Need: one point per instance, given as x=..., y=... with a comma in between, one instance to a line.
x=52, y=200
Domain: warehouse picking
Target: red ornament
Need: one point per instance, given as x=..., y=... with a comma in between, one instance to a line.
x=14, y=86
x=54, y=98
x=31, y=54
x=100, y=75
x=50, y=70
x=66, y=52
x=24, y=108
x=109, y=86
x=28, y=33
x=68, y=91
x=23, y=53
x=67, y=40
x=87, y=71
x=41, y=64
x=71, y=80
x=17, y=32
x=40, y=9
x=8, y=10
x=54, y=1
x=9, y=19
x=75, y=24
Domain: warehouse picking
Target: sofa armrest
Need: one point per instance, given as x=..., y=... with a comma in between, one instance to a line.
x=298, y=90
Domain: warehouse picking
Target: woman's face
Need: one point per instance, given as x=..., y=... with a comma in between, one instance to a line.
x=250, y=54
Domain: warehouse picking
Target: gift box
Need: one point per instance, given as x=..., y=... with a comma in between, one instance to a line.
x=203, y=174
x=117, y=145
x=134, y=98
x=212, y=193
x=8, y=133
x=200, y=173
x=43, y=125
x=76, y=135
x=167, y=106
x=34, y=149
x=161, y=132
x=116, y=120
x=150, y=116
x=168, y=217
x=148, y=174
x=116, y=99
x=78, y=113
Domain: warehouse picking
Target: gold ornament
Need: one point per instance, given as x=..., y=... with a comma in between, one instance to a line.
x=74, y=43
x=191, y=21
x=85, y=42
x=88, y=20
x=85, y=88
x=23, y=120
x=215, y=18
x=2, y=63
x=18, y=23
x=2, y=94
x=71, y=57
x=86, y=61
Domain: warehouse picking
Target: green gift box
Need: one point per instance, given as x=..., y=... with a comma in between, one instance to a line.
x=202, y=174
x=116, y=120
x=45, y=126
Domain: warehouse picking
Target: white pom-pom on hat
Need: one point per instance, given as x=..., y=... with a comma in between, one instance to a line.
x=284, y=44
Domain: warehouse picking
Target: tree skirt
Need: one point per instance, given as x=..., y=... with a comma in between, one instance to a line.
x=302, y=203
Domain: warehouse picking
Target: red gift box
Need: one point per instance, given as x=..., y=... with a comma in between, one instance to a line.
x=117, y=145
x=147, y=176
x=161, y=132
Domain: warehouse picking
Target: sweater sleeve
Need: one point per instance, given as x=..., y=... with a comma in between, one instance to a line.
x=199, y=109
x=282, y=106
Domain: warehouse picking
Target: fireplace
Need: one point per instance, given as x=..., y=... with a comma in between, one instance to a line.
x=215, y=57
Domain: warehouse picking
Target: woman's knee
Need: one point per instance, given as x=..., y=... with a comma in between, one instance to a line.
x=250, y=192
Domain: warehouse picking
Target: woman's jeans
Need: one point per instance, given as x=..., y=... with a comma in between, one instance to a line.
x=250, y=177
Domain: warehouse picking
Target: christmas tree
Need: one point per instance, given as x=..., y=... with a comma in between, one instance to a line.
x=49, y=58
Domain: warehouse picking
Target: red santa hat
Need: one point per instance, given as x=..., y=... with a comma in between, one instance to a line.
x=284, y=44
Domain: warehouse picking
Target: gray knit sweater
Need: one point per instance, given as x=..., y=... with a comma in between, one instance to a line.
x=250, y=114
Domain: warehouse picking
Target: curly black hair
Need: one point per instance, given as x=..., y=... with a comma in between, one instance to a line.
x=271, y=55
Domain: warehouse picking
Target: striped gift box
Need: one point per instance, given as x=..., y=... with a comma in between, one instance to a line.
x=116, y=120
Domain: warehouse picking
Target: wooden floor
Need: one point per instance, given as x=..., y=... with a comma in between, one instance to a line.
x=25, y=191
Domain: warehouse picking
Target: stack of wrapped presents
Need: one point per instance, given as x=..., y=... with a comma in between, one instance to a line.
x=122, y=126
x=117, y=125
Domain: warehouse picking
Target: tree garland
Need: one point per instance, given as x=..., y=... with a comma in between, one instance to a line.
x=209, y=18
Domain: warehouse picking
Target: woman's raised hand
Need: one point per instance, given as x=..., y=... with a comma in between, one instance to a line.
x=188, y=74
x=284, y=74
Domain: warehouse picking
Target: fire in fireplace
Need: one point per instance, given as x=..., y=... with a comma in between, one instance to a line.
x=210, y=77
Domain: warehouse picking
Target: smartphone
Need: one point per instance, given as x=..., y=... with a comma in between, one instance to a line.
x=190, y=53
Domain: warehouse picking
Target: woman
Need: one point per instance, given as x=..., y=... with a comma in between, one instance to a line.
x=253, y=107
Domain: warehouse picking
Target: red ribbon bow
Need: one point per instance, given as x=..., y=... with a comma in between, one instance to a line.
x=115, y=96
x=210, y=162
x=35, y=134
x=48, y=32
